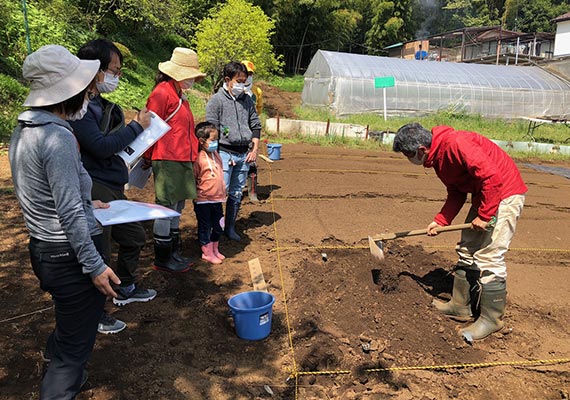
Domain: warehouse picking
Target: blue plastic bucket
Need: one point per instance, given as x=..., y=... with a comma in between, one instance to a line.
x=274, y=151
x=252, y=313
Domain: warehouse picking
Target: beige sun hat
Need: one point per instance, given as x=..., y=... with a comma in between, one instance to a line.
x=56, y=75
x=182, y=65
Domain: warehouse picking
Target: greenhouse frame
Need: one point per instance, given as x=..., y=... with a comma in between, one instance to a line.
x=344, y=83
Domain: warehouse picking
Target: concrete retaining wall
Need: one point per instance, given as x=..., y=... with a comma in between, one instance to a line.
x=318, y=128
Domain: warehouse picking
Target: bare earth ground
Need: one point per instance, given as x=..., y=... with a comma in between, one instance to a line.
x=329, y=315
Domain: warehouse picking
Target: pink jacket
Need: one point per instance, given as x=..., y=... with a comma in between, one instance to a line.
x=209, y=174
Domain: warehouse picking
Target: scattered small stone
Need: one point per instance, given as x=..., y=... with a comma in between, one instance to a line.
x=364, y=338
x=506, y=332
x=366, y=347
x=388, y=357
x=268, y=389
x=324, y=256
x=312, y=379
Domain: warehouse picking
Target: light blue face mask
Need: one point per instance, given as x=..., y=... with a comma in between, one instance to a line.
x=212, y=147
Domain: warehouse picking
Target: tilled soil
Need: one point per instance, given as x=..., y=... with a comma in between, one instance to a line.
x=345, y=326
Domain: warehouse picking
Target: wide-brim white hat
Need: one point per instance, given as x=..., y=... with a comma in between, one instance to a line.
x=182, y=65
x=56, y=75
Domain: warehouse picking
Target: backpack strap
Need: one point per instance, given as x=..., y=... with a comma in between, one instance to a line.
x=112, y=114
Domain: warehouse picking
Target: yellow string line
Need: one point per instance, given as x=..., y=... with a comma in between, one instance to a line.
x=300, y=248
x=296, y=374
x=281, y=279
x=26, y=315
x=513, y=248
x=336, y=156
x=304, y=199
x=357, y=171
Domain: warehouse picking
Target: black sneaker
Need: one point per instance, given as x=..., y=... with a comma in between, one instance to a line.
x=110, y=325
x=137, y=294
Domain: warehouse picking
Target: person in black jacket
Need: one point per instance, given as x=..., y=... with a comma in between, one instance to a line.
x=102, y=133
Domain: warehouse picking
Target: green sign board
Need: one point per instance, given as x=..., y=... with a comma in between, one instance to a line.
x=384, y=82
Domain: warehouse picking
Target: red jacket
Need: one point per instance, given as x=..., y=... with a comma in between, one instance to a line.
x=467, y=162
x=179, y=143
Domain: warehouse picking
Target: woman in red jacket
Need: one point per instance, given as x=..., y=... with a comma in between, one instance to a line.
x=469, y=163
x=173, y=154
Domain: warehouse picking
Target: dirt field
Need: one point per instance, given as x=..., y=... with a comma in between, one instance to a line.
x=329, y=315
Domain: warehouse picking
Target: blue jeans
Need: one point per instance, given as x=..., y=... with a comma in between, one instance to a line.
x=235, y=174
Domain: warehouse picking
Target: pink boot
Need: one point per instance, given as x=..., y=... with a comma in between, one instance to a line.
x=208, y=255
x=216, y=252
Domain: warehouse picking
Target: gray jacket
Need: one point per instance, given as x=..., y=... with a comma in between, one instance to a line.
x=52, y=187
x=236, y=119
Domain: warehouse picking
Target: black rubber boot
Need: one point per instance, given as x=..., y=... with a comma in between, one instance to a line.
x=459, y=307
x=493, y=301
x=252, y=186
x=232, y=209
x=176, y=245
x=163, y=260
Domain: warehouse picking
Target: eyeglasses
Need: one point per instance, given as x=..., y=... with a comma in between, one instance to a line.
x=116, y=74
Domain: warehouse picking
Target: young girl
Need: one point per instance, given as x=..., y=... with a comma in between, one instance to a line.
x=209, y=174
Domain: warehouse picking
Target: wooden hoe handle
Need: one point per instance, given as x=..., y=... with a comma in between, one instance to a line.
x=418, y=232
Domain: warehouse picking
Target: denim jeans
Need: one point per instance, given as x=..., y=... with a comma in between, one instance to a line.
x=208, y=216
x=78, y=307
x=235, y=173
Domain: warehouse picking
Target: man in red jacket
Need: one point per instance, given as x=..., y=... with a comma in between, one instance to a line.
x=467, y=162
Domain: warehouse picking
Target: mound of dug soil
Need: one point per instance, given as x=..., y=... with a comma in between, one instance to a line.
x=356, y=324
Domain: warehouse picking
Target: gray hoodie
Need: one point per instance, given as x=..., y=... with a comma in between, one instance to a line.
x=236, y=119
x=52, y=187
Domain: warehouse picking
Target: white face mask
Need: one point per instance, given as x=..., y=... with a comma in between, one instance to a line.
x=237, y=89
x=110, y=83
x=79, y=114
x=249, y=81
x=418, y=161
x=187, y=84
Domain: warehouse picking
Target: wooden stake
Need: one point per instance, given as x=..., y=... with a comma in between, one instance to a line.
x=257, y=275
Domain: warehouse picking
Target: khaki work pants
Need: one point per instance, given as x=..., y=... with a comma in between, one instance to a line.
x=485, y=251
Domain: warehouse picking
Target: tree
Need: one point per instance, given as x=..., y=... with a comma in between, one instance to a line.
x=533, y=16
x=233, y=32
x=392, y=22
x=475, y=12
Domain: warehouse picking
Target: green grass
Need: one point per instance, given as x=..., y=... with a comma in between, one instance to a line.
x=288, y=83
x=498, y=129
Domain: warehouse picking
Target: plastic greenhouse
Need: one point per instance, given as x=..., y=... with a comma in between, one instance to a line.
x=344, y=83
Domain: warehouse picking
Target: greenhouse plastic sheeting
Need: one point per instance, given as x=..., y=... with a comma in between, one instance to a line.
x=344, y=83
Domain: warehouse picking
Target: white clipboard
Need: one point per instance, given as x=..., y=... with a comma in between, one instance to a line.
x=124, y=211
x=147, y=138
